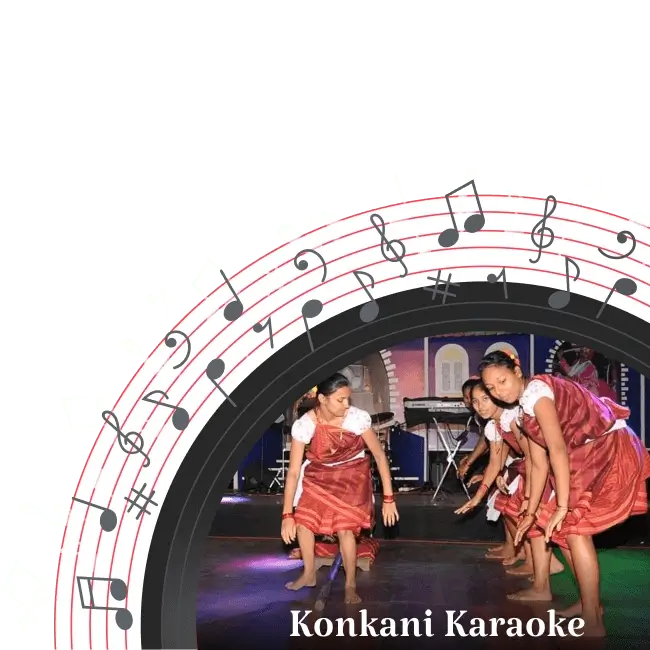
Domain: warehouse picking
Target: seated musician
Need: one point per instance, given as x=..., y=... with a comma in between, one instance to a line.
x=332, y=491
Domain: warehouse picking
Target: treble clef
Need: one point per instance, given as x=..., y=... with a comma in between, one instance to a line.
x=136, y=447
x=540, y=229
x=387, y=245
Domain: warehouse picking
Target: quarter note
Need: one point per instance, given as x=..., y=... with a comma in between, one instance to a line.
x=214, y=371
x=473, y=223
x=258, y=328
x=107, y=520
x=540, y=229
x=493, y=279
x=560, y=299
x=235, y=308
x=117, y=589
x=624, y=286
x=302, y=264
x=621, y=238
x=180, y=417
x=170, y=342
x=370, y=310
x=134, y=447
x=311, y=309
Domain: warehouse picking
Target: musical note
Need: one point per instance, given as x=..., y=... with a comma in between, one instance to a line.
x=622, y=238
x=258, y=328
x=370, y=310
x=473, y=223
x=107, y=520
x=624, y=286
x=302, y=264
x=180, y=417
x=560, y=299
x=136, y=448
x=493, y=279
x=215, y=369
x=117, y=589
x=235, y=308
x=540, y=229
x=311, y=309
x=389, y=245
x=170, y=342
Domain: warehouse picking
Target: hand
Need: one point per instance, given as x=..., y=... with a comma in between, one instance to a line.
x=463, y=467
x=470, y=505
x=477, y=478
x=389, y=514
x=501, y=485
x=288, y=530
x=525, y=524
x=524, y=507
x=555, y=523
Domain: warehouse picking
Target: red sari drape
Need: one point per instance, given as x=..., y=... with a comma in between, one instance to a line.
x=336, y=497
x=608, y=469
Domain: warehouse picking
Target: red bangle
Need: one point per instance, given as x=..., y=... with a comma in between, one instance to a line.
x=287, y=515
x=389, y=499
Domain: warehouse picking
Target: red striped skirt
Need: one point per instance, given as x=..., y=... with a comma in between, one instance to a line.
x=336, y=498
x=607, y=485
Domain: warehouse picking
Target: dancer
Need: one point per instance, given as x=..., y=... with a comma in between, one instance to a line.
x=481, y=444
x=497, y=432
x=598, y=471
x=332, y=490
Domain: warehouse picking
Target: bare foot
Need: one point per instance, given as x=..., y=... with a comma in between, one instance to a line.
x=575, y=610
x=509, y=561
x=303, y=581
x=532, y=594
x=499, y=555
x=351, y=596
x=495, y=549
x=521, y=570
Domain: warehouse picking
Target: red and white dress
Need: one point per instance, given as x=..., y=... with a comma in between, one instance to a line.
x=608, y=464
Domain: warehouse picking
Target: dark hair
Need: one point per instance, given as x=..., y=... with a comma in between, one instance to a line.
x=499, y=358
x=326, y=387
x=332, y=384
x=470, y=383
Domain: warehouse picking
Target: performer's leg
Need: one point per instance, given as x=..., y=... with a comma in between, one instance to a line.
x=587, y=572
x=307, y=543
x=505, y=550
x=348, y=545
x=517, y=554
x=541, y=589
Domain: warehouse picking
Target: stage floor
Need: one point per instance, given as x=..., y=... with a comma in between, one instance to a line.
x=257, y=515
x=242, y=596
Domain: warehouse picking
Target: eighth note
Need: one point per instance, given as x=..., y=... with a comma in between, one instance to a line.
x=117, y=589
x=135, y=447
x=540, y=228
x=624, y=286
x=560, y=299
x=180, y=418
x=235, y=308
x=370, y=310
x=493, y=279
x=215, y=369
x=107, y=520
x=311, y=309
x=473, y=223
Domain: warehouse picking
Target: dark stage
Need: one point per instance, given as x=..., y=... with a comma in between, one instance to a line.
x=435, y=562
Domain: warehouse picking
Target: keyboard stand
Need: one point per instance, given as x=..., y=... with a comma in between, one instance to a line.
x=451, y=455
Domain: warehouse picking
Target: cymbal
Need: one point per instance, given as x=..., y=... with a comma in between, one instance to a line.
x=382, y=418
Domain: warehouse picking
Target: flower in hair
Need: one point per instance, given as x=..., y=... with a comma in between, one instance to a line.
x=512, y=356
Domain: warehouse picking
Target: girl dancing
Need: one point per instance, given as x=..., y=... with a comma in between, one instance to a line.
x=598, y=472
x=332, y=491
